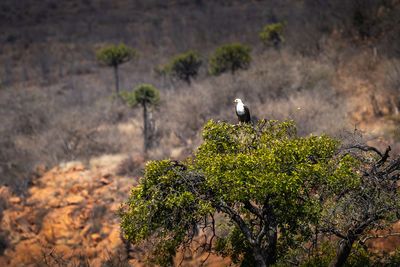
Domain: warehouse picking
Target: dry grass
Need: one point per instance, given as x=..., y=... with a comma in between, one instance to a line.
x=55, y=100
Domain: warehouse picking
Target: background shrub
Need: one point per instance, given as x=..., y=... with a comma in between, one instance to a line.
x=230, y=57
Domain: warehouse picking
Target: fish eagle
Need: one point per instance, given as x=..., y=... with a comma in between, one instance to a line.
x=242, y=111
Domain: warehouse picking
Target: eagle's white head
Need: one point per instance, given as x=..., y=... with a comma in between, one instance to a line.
x=239, y=106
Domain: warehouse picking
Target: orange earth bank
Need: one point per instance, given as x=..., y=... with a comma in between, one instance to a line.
x=70, y=216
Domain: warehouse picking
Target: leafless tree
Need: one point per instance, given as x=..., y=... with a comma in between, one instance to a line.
x=372, y=204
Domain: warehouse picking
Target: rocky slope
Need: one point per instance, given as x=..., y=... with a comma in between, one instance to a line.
x=71, y=211
x=69, y=217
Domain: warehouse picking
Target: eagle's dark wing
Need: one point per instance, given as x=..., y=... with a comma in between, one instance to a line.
x=246, y=115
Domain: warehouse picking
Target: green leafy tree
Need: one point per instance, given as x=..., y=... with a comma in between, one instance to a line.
x=114, y=56
x=258, y=192
x=186, y=66
x=146, y=96
x=230, y=57
x=272, y=34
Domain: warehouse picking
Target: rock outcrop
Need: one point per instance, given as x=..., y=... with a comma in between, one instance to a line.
x=69, y=215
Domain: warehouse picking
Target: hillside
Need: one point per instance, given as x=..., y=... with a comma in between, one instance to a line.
x=339, y=63
x=71, y=211
x=70, y=217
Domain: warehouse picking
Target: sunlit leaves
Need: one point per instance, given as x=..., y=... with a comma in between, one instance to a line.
x=264, y=173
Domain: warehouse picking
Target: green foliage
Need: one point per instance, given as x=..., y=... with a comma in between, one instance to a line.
x=185, y=66
x=272, y=34
x=359, y=257
x=162, y=207
x=236, y=247
x=394, y=260
x=142, y=94
x=112, y=55
x=261, y=176
x=230, y=57
x=268, y=158
x=161, y=70
x=325, y=255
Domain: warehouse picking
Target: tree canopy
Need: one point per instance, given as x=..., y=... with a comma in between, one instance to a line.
x=272, y=34
x=230, y=57
x=186, y=66
x=144, y=94
x=259, y=193
x=113, y=55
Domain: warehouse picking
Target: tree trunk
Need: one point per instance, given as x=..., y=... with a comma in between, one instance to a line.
x=259, y=257
x=270, y=253
x=375, y=106
x=187, y=79
x=145, y=141
x=342, y=253
x=344, y=249
x=116, y=81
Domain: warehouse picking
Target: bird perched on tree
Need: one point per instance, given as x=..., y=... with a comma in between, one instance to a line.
x=242, y=111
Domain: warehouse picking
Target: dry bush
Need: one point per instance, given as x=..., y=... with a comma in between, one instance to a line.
x=3, y=242
x=51, y=257
x=22, y=118
x=15, y=165
x=3, y=234
x=274, y=87
x=96, y=218
x=290, y=82
x=38, y=129
x=132, y=167
x=55, y=103
x=392, y=84
x=72, y=117
x=117, y=258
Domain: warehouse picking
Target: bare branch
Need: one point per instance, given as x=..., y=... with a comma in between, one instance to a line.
x=378, y=236
x=334, y=232
x=385, y=156
x=238, y=220
x=366, y=149
x=252, y=209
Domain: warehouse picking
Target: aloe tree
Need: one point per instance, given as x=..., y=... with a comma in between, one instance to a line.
x=114, y=56
x=146, y=96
